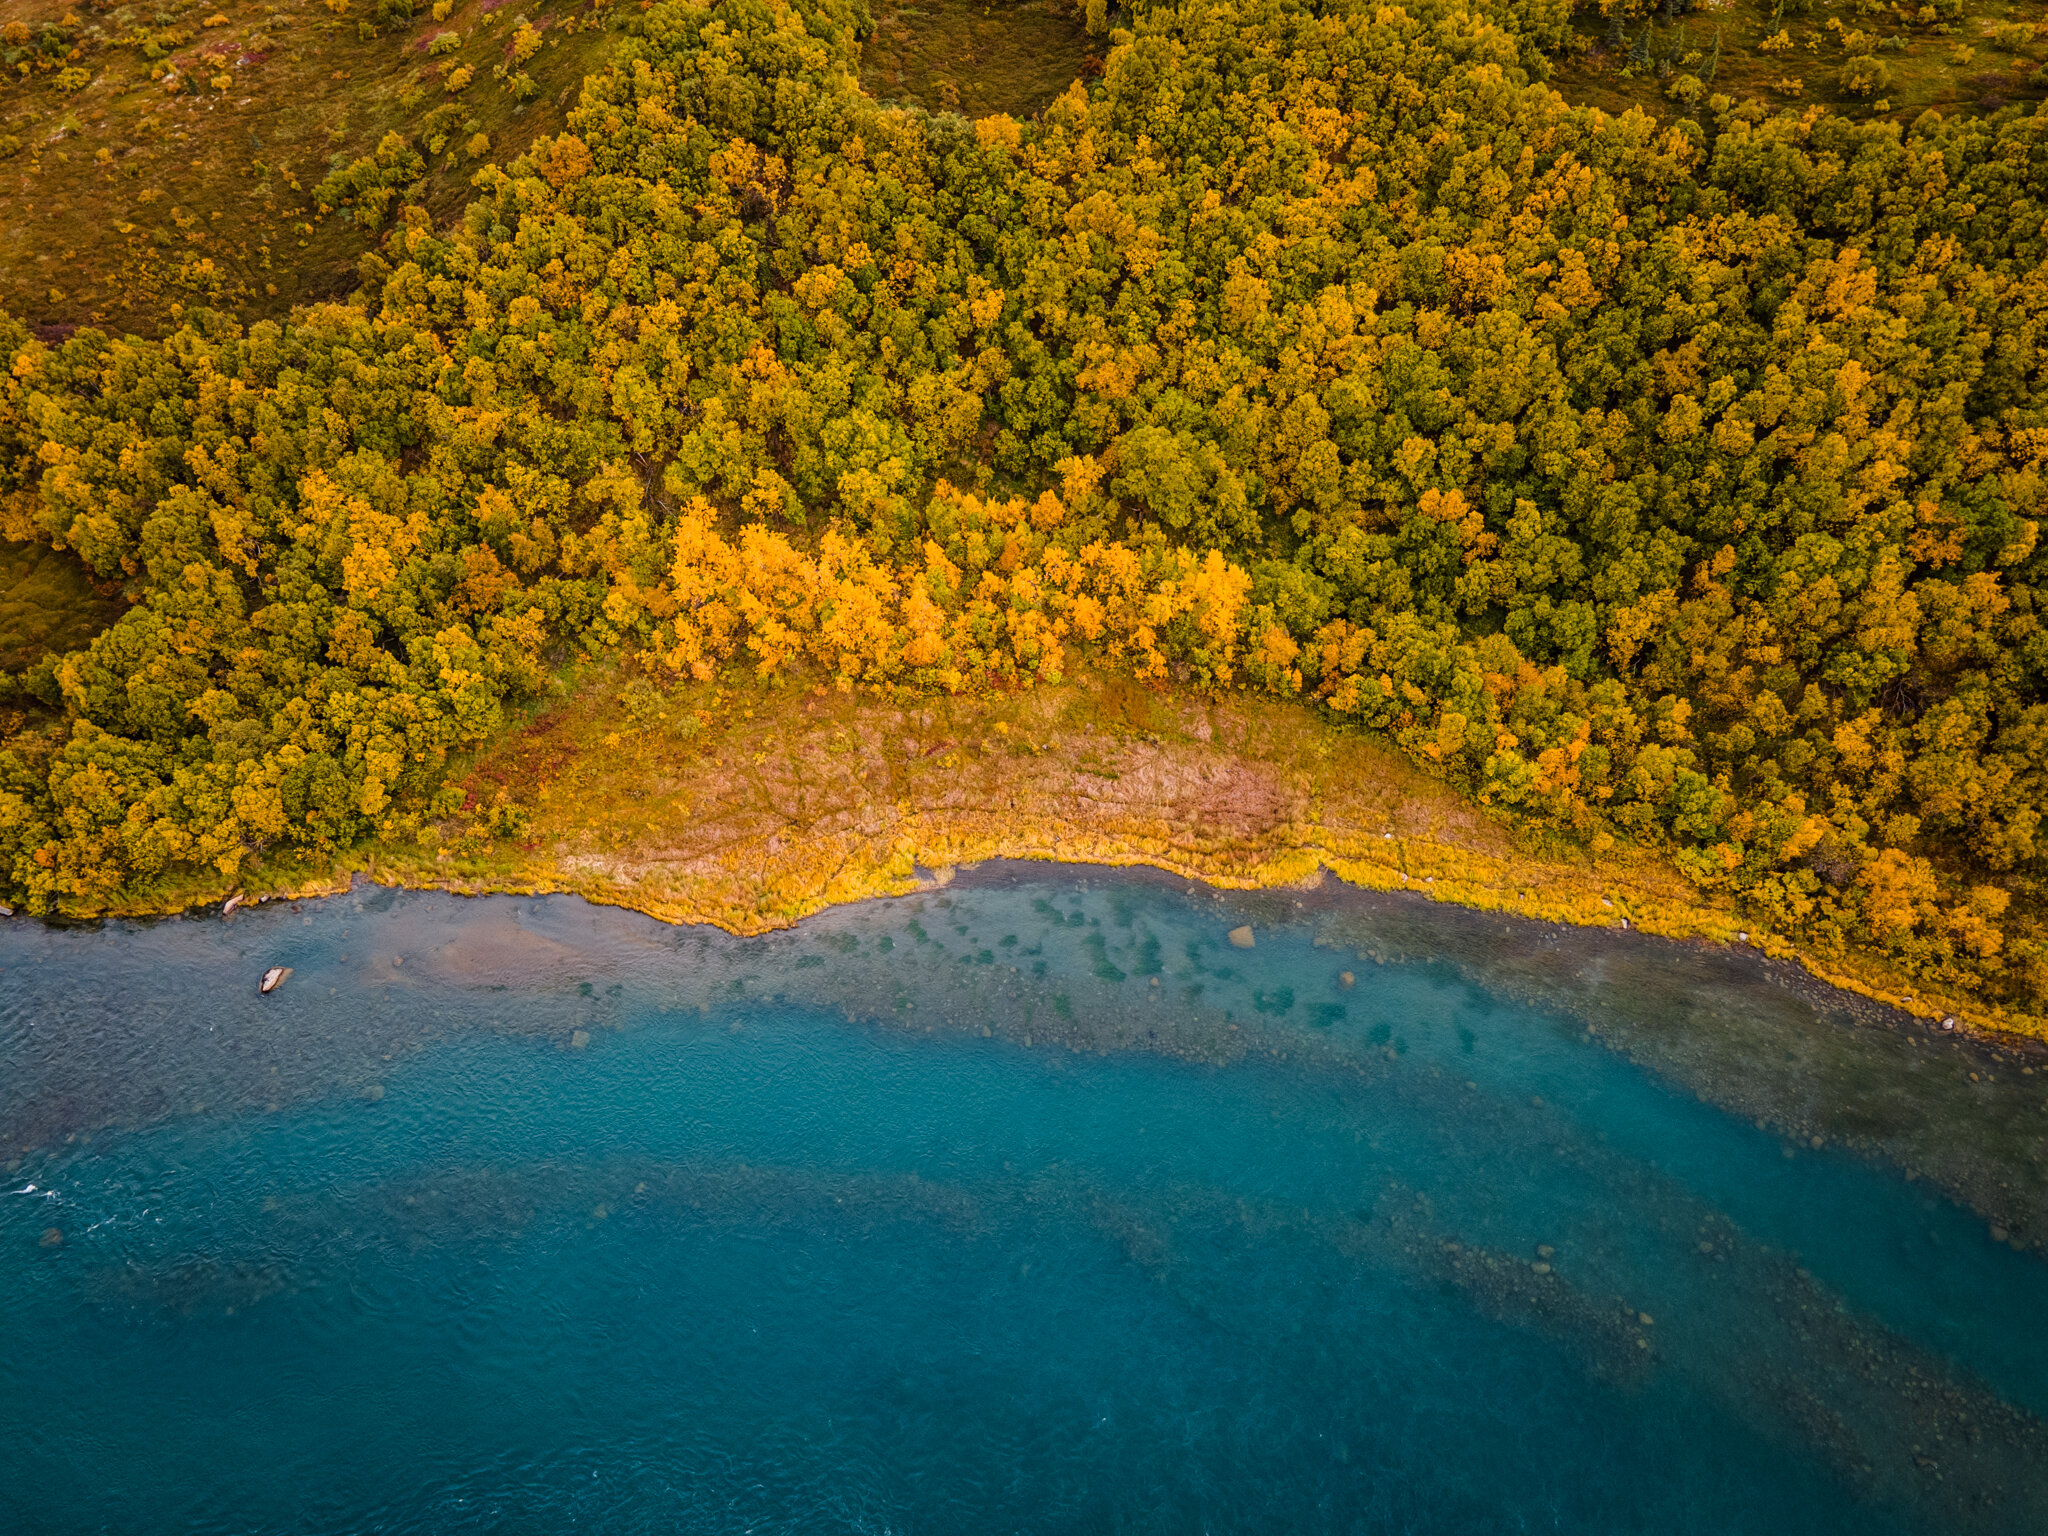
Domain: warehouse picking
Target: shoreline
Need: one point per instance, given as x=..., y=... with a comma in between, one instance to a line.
x=772, y=805
x=1706, y=927
x=1817, y=1065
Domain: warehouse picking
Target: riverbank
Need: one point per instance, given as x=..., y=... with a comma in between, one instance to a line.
x=751, y=809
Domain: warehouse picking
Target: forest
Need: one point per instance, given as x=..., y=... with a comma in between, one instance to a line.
x=1673, y=477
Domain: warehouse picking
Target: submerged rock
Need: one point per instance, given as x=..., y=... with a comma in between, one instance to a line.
x=578, y=1039
x=1242, y=936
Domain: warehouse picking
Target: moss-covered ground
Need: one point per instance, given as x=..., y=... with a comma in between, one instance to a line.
x=1863, y=58
x=48, y=601
x=977, y=57
x=167, y=153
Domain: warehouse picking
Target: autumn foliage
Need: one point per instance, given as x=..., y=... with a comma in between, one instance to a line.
x=1680, y=483
x=999, y=609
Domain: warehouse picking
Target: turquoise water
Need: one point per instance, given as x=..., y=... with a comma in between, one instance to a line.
x=1031, y=1204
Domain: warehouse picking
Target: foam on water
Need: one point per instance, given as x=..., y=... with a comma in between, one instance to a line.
x=965, y=1213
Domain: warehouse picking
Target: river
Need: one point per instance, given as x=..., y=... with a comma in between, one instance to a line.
x=1036, y=1202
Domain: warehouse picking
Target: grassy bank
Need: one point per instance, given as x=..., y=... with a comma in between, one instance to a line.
x=751, y=808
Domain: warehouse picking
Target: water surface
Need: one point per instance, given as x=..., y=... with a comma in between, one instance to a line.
x=1033, y=1204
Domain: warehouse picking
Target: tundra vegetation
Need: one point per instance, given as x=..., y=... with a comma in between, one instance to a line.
x=243, y=156
x=1670, y=475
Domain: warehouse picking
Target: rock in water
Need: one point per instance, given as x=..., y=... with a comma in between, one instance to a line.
x=1242, y=936
x=1346, y=979
x=274, y=978
x=230, y=904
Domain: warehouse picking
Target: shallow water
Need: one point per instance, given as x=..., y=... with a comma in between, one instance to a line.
x=1031, y=1204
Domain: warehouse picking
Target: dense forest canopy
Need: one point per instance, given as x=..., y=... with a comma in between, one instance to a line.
x=1679, y=482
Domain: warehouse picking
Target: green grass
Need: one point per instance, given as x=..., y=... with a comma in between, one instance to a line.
x=48, y=601
x=978, y=59
x=1988, y=57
